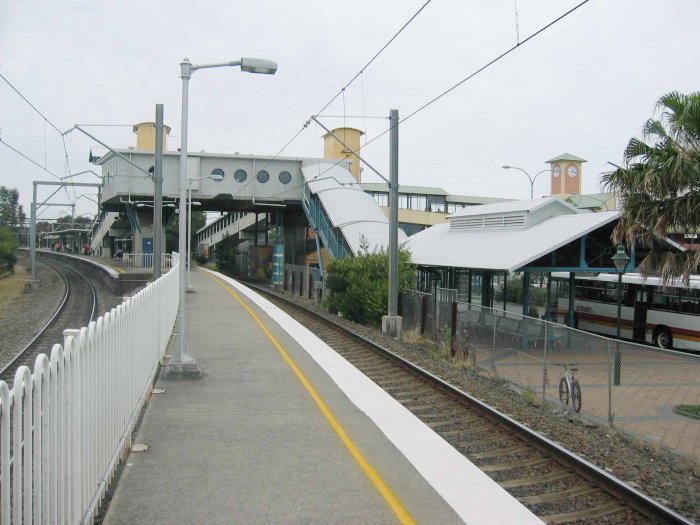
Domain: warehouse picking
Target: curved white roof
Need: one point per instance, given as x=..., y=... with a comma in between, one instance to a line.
x=501, y=250
x=348, y=207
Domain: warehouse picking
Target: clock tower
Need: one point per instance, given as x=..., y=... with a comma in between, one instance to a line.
x=566, y=174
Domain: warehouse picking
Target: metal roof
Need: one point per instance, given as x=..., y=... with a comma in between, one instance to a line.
x=383, y=187
x=507, y=250
x=594, y=200
x=567, y=156
x=512, y=206
x=348, y=207
x=469, y=199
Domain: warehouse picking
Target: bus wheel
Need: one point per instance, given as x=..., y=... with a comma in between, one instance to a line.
x=663, y=338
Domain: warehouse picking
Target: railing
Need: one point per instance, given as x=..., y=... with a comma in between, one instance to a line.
x=144, y=261
x=65, y=426
x=631, y=386
x=331, y=236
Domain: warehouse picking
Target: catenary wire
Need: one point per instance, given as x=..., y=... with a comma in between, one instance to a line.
x=358, y=74
x=482, y=68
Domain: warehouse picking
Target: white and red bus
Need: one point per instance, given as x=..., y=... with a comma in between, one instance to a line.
x=667, y=316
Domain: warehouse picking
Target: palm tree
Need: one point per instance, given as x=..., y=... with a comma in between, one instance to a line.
x=660, y=185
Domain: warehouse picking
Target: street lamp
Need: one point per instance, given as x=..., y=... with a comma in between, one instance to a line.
x=620, y=259
x=531, y=179
x=217, y=176
x=180, y=354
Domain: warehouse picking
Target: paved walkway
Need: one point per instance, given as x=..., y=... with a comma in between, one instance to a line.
x=651, y=384
x=251, y=442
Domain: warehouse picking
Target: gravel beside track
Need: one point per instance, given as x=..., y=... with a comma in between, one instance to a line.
x=33, y=310
x=668, y=477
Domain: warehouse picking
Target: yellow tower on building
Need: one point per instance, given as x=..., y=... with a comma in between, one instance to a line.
x=332, y=149
x=146, y=136
x=566, y=172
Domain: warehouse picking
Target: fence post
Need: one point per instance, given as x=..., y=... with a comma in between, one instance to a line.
x=423, y=312
x=495, y=321
x=285, y=280
x=453, y=328
x=610, y=414
x=294, y=275
x=311, y=284
x=301, y=283
x=544, y=369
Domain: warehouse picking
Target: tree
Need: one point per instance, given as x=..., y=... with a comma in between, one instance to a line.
x=12, y=215
x=8, y=246
x=660, y=185
x=358, y=287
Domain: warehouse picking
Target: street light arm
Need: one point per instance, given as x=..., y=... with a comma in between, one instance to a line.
x=220, y=64
x=540, y=173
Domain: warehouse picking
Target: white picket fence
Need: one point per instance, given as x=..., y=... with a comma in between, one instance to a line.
x=65, y=426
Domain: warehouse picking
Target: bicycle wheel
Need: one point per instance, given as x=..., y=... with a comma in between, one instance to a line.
x=576, y=396
x=563, y=391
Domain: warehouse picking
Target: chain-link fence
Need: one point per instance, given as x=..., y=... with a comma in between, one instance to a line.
x=635, y=387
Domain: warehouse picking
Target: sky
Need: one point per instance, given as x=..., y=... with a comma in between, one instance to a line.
x=584, y=86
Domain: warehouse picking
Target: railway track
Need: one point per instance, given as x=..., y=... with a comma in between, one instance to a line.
x=556, y=485
x=77, y=309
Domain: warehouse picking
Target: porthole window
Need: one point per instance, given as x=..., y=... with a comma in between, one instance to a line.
x=240, y=175
x=285, y=177
x=217, y=174
x=263, y=176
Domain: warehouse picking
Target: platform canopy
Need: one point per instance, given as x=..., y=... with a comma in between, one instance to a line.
x=510, y=236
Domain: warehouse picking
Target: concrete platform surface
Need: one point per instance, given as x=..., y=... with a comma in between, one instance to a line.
x=249, y=443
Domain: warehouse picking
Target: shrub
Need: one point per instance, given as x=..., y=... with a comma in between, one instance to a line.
x=358, y=287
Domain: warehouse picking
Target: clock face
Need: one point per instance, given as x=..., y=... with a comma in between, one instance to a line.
x=571, y=171
x=556, y=171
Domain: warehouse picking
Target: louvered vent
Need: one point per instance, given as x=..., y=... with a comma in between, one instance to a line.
x=458, y=224
x=498, y=222
x=475, y=223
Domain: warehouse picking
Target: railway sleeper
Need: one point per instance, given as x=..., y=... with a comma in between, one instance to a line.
x=527, y=462
x=587, y=514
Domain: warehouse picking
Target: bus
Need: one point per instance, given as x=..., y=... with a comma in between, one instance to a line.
x=667, y=316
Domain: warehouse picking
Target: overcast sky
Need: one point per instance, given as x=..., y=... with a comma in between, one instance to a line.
x=584, y=86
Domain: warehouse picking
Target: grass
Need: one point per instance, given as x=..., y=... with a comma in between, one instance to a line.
x=691, y=411
x=11, y=287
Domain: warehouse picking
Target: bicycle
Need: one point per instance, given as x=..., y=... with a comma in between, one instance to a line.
x=569, y=388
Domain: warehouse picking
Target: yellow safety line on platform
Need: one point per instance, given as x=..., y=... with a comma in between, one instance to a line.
x=370, y=472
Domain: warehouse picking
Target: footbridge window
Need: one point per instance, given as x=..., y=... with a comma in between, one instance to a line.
x=240, y=175
x=285, y=177
x=263, y=176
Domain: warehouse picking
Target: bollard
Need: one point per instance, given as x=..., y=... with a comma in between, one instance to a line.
x=423, y=312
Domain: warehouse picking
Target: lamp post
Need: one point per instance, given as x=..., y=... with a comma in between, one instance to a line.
x=180, y=354
x=217, y=175
x=531, y=179
x=620, y=259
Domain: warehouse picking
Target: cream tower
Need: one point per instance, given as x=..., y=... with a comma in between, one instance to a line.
x=332, y=149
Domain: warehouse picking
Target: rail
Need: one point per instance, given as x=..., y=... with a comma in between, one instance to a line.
x=65, y=425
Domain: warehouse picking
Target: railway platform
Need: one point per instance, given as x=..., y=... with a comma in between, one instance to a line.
x=281, y=429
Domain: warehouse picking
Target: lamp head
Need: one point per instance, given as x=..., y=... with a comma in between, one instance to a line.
x=258, y=65
x=506, y=167
x=620, y=258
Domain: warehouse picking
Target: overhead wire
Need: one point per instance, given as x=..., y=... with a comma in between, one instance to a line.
x=481, y=69
x=358, y=74
x=46, y=120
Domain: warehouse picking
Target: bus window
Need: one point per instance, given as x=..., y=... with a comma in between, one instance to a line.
x=690, y=301
x=666, y=300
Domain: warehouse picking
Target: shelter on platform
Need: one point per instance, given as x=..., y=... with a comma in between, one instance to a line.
x=499, y=240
